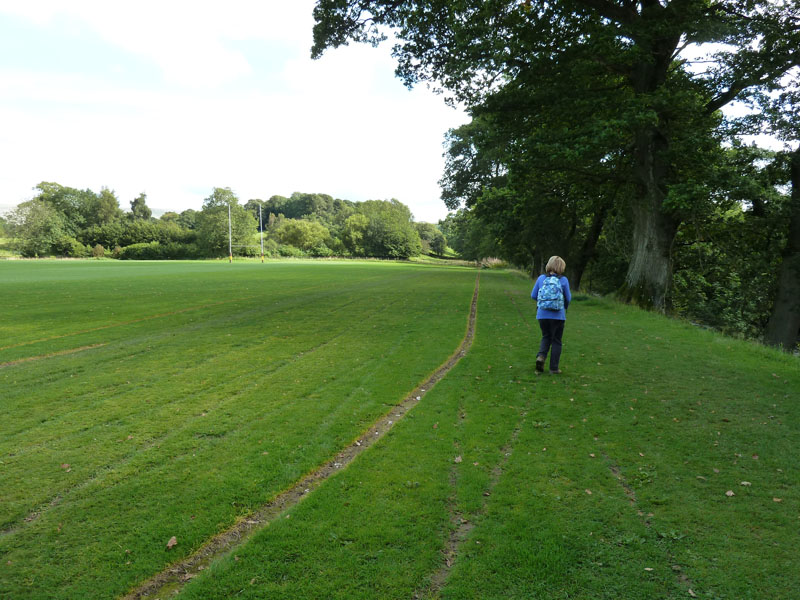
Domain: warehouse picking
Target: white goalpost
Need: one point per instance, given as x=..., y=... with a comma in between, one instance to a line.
x=230, y=236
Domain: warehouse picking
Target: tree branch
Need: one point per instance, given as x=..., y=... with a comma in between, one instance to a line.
x=621, y=14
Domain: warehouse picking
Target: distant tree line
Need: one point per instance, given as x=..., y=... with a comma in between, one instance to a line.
x=63, y=221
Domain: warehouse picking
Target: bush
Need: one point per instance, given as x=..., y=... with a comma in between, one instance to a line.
x=271, y=248
x=143, y=251
x=493, y=263
x=290, y=251
x=159, y=251
x=69, y=246
x=321, y=250
x=98, y=251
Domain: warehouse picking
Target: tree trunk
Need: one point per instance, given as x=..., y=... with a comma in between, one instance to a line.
x=589, y=244
x=649, y=277
x=784, y=322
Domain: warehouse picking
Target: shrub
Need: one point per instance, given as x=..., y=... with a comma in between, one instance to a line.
x=142, y=251
x=98, y=251
x=290, y=251
x=493, y=263
x=159, y=251
x=69, y=246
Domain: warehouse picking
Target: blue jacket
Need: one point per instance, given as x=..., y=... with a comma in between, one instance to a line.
x=543, y=313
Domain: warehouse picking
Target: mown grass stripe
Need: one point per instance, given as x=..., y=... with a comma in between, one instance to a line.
x=120, y=324
x=172, y=579
x=51, y=355
x=230, y=390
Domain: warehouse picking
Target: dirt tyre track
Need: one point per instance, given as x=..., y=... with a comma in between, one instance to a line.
x=171, y=580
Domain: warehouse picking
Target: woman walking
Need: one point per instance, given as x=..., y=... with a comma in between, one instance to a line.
x=552, y=296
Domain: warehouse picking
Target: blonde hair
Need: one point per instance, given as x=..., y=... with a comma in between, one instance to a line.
x=556, y=265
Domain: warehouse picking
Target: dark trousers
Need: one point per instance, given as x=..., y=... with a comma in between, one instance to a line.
x=552, y=330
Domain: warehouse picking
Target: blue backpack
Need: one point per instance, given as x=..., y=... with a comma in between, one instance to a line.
x=550, y=296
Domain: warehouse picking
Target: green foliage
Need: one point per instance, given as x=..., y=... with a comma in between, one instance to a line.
x=37, y=226
x=581, y=109
x=139, y=231
x=390, y=232
x=353, y=233
x=139, y=209
x=315, y=225
x=306, y=235
x=468, y=236
x=68, y=246
x=212, y=222
x=433, y=240
x=188, y=219
x=158, y=251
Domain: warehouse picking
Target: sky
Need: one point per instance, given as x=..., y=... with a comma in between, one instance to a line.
x=173, y=98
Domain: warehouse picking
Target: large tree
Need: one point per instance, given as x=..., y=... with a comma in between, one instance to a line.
x=139, y=209
x=781, y=118
x=212, y=222
x=472, y=48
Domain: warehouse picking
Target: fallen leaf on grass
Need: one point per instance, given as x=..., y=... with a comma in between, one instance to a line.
x=777, y=499
x=591, y=454
x=692, y=594
x=458, y=459
x=729, y=493
x=589, y=492
x=746, y=483
x=173, y=541
x=755, y=456
x=648, y=568
x=66, y=467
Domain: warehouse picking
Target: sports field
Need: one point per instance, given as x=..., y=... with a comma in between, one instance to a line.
x=149, y=407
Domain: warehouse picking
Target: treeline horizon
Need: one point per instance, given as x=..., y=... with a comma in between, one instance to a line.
x=65, y=221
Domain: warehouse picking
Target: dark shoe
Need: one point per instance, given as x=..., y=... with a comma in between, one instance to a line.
x=556, y=372
x=540, y=364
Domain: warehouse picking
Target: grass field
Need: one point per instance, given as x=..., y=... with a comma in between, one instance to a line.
x=142, y=401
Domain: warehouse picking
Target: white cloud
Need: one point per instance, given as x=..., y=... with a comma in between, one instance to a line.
x=342, y=125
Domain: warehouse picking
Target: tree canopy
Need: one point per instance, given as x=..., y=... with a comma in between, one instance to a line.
x=598, y=75
x=589, y=116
